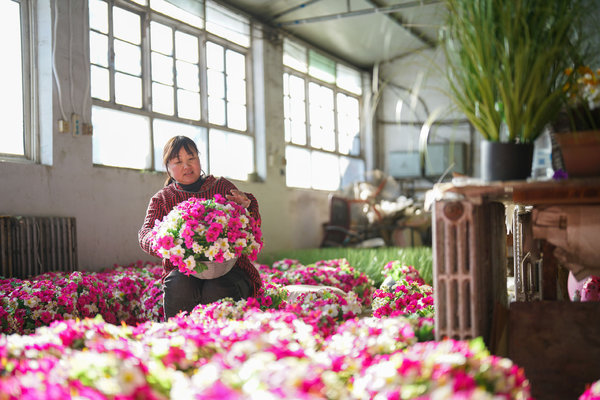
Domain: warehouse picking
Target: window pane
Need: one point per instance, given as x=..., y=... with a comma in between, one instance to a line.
x=349, y=79
x=294, y=56
x=236, y=90
x=216, y=83
x=216, y=110
x=214, y=56
x=99, y=49
x=100, y=83
x=186, y=47
x=227, y=24
x=161, y=38
x=298, y=124
x=321, y=67
x=126, y=25
x=128, y=90
x=187, y=76
x=287, y=129
x=349, y=142
x=162, y=68
x=11, y=80
x=348, y=124
x=298, y=110
x=191, y=14
x=297, y=167
x=320, y=96
x=236, y=116
x=297, y=89
x=188, y=104
x=236, y=64
x=128, y=58
x=165, y=130
x=98, y=11
x=320, y=137
x=321, y=114
x=298, y=132
x=325, y=171
x=227, y=146
x=120, y=139
x=162, y=99
x=286, y=84
x=352, y=170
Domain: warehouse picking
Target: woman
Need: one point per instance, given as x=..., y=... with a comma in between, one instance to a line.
x=185, y=179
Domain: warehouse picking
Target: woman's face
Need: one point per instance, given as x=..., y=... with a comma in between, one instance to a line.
x=185, y=168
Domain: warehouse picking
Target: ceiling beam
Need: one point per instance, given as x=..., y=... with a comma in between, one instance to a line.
x=381, y=10
x=397, y=18
x=292, y=9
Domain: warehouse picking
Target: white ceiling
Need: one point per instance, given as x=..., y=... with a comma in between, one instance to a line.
x=360, y=32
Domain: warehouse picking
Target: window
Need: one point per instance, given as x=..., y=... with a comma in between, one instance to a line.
x=186, y=76
x=322, y=120
x=17, y=136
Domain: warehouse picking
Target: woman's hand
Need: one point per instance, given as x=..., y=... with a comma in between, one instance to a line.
x=239, y=197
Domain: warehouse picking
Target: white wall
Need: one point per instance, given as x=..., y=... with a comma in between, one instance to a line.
x=110, y=203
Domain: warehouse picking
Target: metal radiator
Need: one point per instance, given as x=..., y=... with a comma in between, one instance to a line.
x=30, y=246
x=468, y=281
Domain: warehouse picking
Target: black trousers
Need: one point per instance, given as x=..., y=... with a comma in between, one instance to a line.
x=183, y=293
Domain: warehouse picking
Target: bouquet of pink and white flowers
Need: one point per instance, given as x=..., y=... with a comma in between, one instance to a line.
x=198, y=230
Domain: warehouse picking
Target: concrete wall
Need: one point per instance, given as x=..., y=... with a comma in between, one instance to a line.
x=110, y=203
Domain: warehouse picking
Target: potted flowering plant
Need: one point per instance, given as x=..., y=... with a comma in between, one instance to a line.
x=576, y=129
x=205, y=237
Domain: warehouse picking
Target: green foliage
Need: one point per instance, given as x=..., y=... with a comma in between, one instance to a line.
x=506, y=60
x=369, y=261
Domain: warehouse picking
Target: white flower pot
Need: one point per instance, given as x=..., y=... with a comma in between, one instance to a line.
x=215, y=269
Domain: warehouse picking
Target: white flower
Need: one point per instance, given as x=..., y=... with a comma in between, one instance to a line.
x=164, y=253
x=222, y=244
x=190, y=262
x=212, y=252
x=253, y=246
x=91, y=308
x=196, y=248
x=177, y=251
x=310, y=297
x=331, y=310
x=228, y=255
x=221, y=219
x=31, y=302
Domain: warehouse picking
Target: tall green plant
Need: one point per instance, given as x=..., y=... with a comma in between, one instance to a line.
x=506, y=60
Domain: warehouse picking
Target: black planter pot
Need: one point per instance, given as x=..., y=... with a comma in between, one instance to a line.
x=505, y=161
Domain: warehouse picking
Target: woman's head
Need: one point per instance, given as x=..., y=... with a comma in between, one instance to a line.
x=180, y=158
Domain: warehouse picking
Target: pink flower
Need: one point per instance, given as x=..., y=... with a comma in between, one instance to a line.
x=166, y=242
x=213, y=232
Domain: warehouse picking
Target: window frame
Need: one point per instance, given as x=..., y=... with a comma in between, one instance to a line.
x=308, y=79
x=148, y=15
x=28, y=87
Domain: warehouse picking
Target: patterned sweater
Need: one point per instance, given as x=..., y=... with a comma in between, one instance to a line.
x=171, y=195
